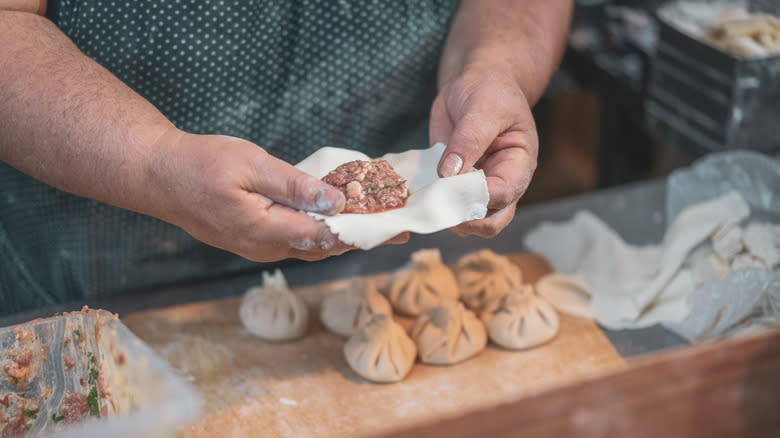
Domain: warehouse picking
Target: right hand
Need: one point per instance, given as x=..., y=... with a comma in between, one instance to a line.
x=232, y=194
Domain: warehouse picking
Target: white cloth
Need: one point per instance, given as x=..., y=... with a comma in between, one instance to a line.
x=434, y=203
x=629, y=286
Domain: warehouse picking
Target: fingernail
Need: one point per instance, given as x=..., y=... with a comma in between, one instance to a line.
x=451, y=165
x=324, y=200
x=327, y=200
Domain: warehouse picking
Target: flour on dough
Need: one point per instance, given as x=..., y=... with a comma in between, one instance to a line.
x=763, y=242
x=422, y=284
x=448, y=334
x=520, y=319
x=727, y=242
x=344, y=311
x=745, y=261
x=273, y=312
x=485, y=275
x=380, y=350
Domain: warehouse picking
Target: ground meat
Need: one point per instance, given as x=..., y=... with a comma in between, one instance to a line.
x=74, y=407
x=369, y=186
x=23, y=359
x=18, y=369
x=104, y=390
x=15, y=425
x=23, y=336
x=67, y=361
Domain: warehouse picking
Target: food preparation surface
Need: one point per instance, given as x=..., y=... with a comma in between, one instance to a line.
x=306, y=388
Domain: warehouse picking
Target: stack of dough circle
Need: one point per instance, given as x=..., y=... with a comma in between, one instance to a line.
x=422, y=284
x=344, y=311
x=484, y=276
x=380, y=350
x=273, y=312
x=520, y=319
x=448, y=334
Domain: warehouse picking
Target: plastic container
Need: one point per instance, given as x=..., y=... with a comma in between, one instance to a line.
x=85, y=374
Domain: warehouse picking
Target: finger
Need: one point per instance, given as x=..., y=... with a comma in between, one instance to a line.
x=472, y=135
x=398, y=240
x=440, y=127
x=490, y=226
x=285, y=184
x=313, y=255
x=288, y=233
x=508, y=173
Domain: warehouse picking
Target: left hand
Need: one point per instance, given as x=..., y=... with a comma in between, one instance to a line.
x=484, y=118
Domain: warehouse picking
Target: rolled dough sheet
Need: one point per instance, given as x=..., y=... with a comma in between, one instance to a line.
x=434, y=203
x=626, y=286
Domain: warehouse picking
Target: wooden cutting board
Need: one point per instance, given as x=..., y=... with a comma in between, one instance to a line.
x=254, y=388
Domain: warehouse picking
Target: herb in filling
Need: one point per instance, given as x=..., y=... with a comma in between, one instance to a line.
x=369, y=186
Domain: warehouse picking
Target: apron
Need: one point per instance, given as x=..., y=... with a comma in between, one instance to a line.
x=291, y=76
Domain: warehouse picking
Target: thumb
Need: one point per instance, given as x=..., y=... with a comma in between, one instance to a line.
x=471, y=137
x=283, y=183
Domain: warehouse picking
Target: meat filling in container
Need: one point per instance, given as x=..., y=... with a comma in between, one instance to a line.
x=85, y=374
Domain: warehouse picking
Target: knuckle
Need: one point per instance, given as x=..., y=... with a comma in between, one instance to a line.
x=503, y=198
x=489, y=231
x=470, y=134
x=293, y=185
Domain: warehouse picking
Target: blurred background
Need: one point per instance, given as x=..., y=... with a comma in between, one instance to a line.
x=648, y=86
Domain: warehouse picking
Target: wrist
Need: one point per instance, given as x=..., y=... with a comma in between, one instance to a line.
x=494, y=61
x=157, y=186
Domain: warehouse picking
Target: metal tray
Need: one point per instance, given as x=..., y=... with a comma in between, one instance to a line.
x=701, y=99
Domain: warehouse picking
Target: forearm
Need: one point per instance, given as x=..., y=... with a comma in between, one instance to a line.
x=526, y=37
x=67, y=121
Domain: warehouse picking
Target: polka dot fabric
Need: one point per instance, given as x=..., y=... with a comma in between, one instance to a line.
x=291, y=76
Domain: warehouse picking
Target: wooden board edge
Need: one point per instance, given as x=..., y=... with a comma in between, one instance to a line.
x=726, y=388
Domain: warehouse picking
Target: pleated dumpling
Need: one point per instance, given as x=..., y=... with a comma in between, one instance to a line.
x=344, y=311
x=380, y=350
x=422, y=284
x=447, y=334
x=272, y=311
x=485, y=275
x=520, y=319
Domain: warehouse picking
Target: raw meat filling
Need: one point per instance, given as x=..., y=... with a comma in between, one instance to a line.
x=369, y=186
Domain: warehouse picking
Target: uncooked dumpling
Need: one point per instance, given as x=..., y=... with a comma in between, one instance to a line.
x=273, y=312
x=448, y=334
x=422, y=284
x=380, y=350
x=485, y=275
x=520, y=319
x=344, y=311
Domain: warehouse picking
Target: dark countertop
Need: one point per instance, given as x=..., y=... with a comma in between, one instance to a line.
x=635, y=211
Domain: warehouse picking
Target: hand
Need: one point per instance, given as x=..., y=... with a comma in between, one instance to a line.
x=231, y=194
x=484, y=118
